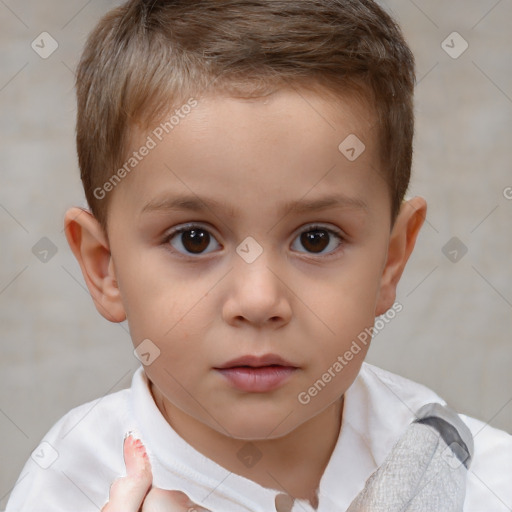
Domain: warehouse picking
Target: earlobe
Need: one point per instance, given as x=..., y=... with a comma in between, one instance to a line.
x=90, y=246
x=402, y=240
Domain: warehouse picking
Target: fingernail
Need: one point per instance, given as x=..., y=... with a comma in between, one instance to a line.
x=129, y=433
x=135, y=456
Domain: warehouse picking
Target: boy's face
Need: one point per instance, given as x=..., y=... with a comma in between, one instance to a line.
x=206, y=296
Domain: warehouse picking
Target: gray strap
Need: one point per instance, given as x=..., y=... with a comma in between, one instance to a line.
x=451, y=428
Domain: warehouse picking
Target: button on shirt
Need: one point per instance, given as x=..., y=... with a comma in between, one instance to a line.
x=82, y=454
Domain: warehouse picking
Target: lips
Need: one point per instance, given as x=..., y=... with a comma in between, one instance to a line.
x=257, y=362
x=257, y=374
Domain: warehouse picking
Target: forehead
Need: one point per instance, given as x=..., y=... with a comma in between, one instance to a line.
x=244, y=152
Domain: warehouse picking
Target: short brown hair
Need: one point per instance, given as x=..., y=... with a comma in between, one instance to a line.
x=145, y=55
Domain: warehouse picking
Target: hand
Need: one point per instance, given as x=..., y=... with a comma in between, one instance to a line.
x=135, y=493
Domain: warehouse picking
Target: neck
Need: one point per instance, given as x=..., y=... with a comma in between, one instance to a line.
x=293, y=464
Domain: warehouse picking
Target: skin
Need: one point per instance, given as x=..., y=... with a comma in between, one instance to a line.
x=133, y=492
x=304, y=302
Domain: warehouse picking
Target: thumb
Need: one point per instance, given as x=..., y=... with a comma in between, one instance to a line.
x=127, y=493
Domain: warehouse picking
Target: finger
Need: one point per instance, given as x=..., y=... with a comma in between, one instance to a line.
x=127, y=493
x=161, y=500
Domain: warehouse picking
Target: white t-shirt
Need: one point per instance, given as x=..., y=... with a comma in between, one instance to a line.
x=72, y=468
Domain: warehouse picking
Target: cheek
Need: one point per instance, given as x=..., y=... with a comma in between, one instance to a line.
x=331, y=381
x=157, y=304
x=174, y=317
x=345, y=300
x=344, y=306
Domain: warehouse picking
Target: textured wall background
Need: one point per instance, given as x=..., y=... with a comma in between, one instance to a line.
x=453, y=334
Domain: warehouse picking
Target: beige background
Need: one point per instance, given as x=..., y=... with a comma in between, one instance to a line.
x=454, y=331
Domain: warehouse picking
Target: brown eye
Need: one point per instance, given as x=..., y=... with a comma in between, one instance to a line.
x=191, y=240
x=316, y=239
x=195, y=240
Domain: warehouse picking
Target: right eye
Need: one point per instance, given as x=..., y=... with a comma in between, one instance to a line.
x=191, y=239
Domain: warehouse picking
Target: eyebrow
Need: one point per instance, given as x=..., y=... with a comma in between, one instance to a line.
x=201, y=204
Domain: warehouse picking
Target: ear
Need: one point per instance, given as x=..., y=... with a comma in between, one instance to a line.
x=91, y=248
x=402, y=240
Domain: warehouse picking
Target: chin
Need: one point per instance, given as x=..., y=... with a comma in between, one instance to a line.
x=262, y=428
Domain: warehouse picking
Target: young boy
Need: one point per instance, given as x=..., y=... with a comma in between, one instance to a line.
x=245, y=163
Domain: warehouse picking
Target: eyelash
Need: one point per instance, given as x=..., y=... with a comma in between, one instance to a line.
x=309, y=228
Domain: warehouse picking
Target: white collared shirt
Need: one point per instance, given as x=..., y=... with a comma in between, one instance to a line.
x=81, y=455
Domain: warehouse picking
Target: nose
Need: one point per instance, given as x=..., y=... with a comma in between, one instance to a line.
x=258, y=294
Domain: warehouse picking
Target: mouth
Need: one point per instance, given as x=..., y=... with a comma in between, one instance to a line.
x=253, y=361
x=257, y=374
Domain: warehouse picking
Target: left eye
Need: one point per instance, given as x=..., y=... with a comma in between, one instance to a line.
x=317, y=238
